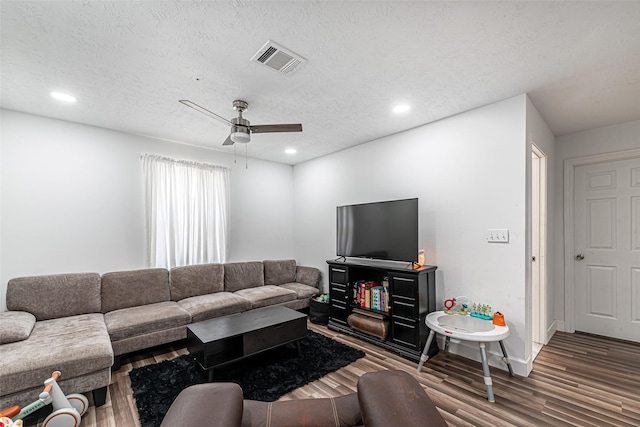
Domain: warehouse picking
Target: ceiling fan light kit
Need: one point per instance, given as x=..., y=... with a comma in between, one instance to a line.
x=241, y=135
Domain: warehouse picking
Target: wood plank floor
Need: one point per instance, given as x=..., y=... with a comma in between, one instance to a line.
x=577, y=380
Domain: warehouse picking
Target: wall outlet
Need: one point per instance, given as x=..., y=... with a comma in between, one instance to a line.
x=498, y=235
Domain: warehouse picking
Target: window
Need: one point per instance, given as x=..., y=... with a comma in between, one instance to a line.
x=187, y=212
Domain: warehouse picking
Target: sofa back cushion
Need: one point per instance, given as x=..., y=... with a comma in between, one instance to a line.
x=194, y=280
x=54, y=296
x=279, y=272
x=243, y=275
x=124, y=289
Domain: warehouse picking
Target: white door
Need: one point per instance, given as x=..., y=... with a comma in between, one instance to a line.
x=607, y=243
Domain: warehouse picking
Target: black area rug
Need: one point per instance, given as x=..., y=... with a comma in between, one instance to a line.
x=265, y=376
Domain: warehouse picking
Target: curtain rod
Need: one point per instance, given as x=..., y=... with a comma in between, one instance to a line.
x=183, y=162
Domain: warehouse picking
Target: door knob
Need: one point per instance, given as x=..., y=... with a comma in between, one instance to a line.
x=579, y=257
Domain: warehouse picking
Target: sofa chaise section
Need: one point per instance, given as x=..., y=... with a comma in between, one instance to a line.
x=67, y=334
x=138, y=312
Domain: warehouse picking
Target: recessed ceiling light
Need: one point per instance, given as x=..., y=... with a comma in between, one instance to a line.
x=63, y=97
x=290, y=151
x=401, y=108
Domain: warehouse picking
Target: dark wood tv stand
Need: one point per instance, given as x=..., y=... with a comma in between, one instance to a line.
x=412, y=295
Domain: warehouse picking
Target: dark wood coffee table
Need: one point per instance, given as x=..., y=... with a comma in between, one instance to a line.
x=221, y=340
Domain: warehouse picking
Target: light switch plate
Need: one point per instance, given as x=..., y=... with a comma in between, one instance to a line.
x=498, y=235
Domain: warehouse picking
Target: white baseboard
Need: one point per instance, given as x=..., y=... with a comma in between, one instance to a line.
x=552, y=330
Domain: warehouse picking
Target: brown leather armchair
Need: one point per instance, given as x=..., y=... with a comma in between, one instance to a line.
x=386, y=398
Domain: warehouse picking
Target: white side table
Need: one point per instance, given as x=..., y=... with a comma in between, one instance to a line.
x=467, y=328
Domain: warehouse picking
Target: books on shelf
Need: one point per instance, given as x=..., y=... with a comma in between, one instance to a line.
x=369, y=294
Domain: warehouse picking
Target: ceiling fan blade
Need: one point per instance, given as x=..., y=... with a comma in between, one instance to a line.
x=204, y=111
x=297, y=127
x=228, y=141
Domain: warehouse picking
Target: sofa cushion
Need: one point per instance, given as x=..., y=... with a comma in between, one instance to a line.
x=126, y=289
x=75, y=346
x=242, y=275
x=308, y=276
x=279, y=272
x=192, y=280
x=203, y=307
x=16, y=326
x=263, y=296
x=133, y=321
x=302, y=291
x=54, y=296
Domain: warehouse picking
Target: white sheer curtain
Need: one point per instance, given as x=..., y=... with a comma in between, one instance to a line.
x=187, y=212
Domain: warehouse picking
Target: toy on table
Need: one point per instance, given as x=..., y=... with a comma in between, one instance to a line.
x=457, y=305
x=67, y=410
x=481, y=311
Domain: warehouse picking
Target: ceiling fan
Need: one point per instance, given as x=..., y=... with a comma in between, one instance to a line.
x=241, y=128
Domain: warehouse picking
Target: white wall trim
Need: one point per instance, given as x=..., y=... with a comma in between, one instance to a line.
x=551, y=330
x=569, y=248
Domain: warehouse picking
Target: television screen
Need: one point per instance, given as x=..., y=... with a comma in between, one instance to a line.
x=381, y=230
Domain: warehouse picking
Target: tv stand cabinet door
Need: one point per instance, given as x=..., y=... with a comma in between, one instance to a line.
x=339, y=293
x=405, y=327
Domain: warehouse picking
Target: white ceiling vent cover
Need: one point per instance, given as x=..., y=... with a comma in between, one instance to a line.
x=278, y=58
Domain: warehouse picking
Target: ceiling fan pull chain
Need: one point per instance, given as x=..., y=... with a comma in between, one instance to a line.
x=246, y=151
x=234, y=155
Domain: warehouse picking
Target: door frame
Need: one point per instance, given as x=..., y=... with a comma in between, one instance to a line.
x=569, y=209
x=541, y=318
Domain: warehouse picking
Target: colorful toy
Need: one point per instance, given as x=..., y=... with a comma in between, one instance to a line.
x=321, y=298
x=67, y=410
x=8, y=422
x=10, y=412
x=482, y=311
x=457, y=306
x=498, y=319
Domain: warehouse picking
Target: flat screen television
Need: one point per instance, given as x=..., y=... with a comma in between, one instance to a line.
x=382, y=230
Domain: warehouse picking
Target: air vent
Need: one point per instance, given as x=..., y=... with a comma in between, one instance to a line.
x=278, y=58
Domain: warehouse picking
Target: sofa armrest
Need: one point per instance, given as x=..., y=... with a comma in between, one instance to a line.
x=308, y=276
x=395, y=398
x=211, y=405
x=16, y=326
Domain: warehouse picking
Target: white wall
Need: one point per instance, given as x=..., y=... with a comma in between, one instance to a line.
x=72, y=200
x=469, y=173
x=625, y=136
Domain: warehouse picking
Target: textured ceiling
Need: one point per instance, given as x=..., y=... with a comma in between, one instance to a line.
x=129, y=62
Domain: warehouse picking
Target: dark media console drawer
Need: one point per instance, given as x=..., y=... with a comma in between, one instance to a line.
x=338, y=311
x=404, y=286
x=338, y=292
x=405, y=332
x=338, y=275
x=404, y=307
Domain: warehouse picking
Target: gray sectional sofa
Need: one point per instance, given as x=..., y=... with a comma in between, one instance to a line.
x=82, y=323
